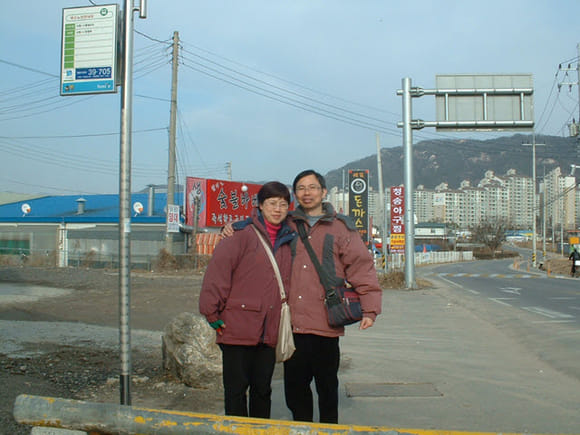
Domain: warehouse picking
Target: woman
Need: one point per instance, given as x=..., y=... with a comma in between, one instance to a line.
x=240, y=298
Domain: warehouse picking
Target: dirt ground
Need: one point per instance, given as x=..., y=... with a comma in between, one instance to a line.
x=92, y=374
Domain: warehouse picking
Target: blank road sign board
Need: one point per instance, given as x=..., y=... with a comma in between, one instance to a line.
x=484, y=102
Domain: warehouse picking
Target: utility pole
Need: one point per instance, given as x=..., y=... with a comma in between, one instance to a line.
x=382, y=204
x=575, y=126
x=229, y=170
x=534, y=145
x=343, y=193
x=544, y=219
x=172, y=133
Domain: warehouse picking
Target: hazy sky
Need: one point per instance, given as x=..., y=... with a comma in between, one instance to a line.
x=271, y=86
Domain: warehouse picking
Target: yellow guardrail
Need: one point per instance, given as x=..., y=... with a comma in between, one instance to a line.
x=121, y=419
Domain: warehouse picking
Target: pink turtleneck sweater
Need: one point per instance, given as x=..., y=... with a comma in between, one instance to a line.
x=272, y=231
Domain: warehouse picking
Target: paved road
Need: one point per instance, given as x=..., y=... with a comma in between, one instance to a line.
x=448, y=359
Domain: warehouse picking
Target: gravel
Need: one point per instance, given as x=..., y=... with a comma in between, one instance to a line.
x=59, y=338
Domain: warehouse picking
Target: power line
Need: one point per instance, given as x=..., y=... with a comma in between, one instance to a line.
x=290, y=82
x=28, y=68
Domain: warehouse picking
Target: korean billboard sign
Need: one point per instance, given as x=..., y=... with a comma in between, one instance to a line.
x=397, y=220
x=173, y=218
x=219, y=201
x=358, y=200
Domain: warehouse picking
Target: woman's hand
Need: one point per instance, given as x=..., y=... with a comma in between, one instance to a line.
x=227, y=230
x=219, y=326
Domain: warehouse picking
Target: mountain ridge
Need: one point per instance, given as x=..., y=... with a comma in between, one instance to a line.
x=454, y=160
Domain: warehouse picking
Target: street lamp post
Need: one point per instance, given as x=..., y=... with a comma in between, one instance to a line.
x=533, y=145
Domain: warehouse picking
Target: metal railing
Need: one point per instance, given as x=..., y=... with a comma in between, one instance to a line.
x=397, y=261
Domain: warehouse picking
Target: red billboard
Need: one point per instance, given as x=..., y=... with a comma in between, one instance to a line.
x=219, y=201
x=397, y=219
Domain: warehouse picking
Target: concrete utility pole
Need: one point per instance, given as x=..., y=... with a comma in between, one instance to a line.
x=172, y=133
x=382, y=203
x=534, y=145
x=575, y=126
x=229, y=171
x=544, y=220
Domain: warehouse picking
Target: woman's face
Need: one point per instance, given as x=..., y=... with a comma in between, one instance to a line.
x=274, y=209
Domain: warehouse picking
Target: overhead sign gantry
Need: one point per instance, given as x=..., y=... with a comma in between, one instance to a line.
x=474, y=102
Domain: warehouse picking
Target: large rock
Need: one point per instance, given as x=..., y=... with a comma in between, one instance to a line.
x=190, y=353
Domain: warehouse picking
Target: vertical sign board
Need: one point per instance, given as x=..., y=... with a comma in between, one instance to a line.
x=358, y=200
x=172, y=218
x=219, y=201
x=89, y=50
x=398, y=220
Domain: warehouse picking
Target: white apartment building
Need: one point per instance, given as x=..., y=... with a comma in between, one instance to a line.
x=509, y=197
x=561, y=199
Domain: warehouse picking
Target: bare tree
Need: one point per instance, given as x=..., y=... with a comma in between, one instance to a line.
x=491, y=232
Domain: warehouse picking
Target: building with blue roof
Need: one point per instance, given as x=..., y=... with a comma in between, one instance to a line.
x=72, y=230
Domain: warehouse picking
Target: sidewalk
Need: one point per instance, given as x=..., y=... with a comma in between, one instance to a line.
x=428, y=363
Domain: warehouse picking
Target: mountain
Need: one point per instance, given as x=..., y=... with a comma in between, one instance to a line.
x=452, y=161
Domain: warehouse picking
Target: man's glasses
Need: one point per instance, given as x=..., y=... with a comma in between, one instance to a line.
x=311, y=188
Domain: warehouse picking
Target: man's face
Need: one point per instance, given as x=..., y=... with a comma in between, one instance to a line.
x=310, y=194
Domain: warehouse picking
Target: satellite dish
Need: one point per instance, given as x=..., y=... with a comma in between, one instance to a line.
x=25, y=209
x=138, y=208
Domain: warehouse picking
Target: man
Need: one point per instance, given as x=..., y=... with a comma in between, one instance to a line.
x=317, y=354
x=575, y=257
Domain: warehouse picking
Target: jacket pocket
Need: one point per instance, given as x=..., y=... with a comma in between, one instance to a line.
x=244, y=319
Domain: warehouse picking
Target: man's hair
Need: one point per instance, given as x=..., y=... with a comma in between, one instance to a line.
x=273, y=189
x=306, y=173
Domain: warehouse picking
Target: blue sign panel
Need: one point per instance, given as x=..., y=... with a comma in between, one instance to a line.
x=103, y=72
x=89, y=50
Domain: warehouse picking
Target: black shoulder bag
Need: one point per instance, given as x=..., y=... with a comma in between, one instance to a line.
x=342, y=301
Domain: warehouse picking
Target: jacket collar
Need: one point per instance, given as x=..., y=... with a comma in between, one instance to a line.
x=327, y=209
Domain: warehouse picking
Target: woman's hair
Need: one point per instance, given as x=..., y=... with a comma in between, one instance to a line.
x=273, y=189
x=306, y=173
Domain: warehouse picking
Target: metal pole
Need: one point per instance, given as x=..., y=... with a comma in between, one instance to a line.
x=578, y=85
x=408, y=183
x=544, y=220
x=343, y=193
x=534, y=243
x=562, y=226
x=534, y=263
x=172, y=133
x=125, y=207
x=382, y=203
x=195, y=220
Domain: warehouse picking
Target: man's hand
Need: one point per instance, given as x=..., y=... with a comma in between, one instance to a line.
x=366, y=323
x=227, y=230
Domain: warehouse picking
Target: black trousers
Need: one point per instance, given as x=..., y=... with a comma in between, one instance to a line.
x=315, y=357
x=248, y=367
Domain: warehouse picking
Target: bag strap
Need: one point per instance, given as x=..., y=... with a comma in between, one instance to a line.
x=328, y=287
x=272, y=260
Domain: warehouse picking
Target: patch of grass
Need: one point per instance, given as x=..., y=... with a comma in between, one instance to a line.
x=396, y=281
